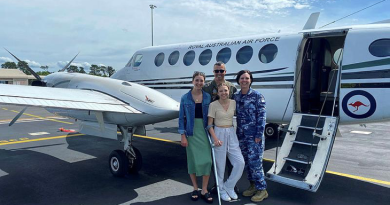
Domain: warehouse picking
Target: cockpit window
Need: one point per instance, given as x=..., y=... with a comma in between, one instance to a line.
x=173, y=58
x=137, y=60
x=130, y=62
x=380, y=48
x=205, y=57
x=158, y=61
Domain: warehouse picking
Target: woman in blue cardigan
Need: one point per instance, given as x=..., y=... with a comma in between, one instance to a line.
x=194, y=107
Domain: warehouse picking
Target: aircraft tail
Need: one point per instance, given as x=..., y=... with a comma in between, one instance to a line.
x=312, y=21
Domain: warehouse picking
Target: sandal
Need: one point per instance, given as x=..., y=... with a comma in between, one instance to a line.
x=207, y=197
x=195, y=195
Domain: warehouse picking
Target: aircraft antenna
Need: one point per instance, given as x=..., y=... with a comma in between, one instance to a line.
x=353, y=13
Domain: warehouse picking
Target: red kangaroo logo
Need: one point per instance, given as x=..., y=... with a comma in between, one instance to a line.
x=357, y=104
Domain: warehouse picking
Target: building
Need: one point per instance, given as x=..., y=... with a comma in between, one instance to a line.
x=15, y=77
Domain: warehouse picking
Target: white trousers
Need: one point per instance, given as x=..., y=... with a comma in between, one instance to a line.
x=230, y=148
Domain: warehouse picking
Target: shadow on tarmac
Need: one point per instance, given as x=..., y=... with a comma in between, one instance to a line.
x=35, y=178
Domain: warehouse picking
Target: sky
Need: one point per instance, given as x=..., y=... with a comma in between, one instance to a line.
x=47, y=32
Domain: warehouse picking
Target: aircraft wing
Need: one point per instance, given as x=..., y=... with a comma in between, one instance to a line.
x=62, y=98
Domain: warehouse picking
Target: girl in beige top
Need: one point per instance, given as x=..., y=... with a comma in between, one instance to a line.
x=226, y=143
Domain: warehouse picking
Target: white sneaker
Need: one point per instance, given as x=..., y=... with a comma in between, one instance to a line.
x=232, y=194
x=225, y=196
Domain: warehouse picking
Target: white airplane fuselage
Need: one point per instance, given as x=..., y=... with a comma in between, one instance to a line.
x=279, y=62
x=149, y=106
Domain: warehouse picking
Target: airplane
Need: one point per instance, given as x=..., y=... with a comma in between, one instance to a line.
x=100, y=105
x=312, y=80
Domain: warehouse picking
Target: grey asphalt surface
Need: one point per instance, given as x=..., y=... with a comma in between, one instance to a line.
x=74, y=170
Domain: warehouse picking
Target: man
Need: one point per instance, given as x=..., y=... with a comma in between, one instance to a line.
x=212, y=89
x=219, y=77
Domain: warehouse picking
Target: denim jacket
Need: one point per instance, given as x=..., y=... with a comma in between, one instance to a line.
x=251, y=114
x=187, y=113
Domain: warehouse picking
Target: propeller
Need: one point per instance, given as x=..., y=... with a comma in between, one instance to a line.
x=26, y=66
x=67, y=65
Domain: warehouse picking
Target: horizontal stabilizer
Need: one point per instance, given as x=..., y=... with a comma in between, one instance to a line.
x=381, y=22
x=312, y=21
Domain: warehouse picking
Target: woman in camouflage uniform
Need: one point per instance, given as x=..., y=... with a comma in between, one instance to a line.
x=251, y=116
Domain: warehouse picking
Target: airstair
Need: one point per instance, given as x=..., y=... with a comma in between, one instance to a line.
x=303, y=157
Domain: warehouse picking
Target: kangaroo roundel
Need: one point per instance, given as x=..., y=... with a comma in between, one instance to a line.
x=359, y=104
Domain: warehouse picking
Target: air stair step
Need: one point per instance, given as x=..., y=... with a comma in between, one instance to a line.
x=310, y=128
x=297, y=161
x=304, y=143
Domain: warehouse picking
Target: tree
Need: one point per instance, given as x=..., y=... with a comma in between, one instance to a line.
x=81, y=70
x=103, y=69
x=9, y=65
x=110, y=71
x=45, y=73
x=94, y=70
x=45, y=67
x=73, y=69
x=22, y=65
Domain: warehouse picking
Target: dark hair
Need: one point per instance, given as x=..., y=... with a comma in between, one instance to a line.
x=197, y=73
x=239, y=74
x=220, y=63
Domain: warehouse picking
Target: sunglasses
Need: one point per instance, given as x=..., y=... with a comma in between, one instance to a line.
x=219, y=71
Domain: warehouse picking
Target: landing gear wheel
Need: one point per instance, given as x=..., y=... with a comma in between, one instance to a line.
x=136, y=164
x=271, y=130
x=118, y=163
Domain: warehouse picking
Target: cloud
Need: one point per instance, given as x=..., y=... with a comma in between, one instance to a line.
x=5, y=59
x=62, y=64
x=301, y=6
x=33, y=64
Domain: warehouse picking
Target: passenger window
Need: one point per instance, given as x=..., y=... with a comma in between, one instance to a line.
x=244, y=55
x=268, y=53
x=137, y=60
x=158, y=61
x=173, y=58
x=224, y=55
x=189, y=58
x=380, y=48
x=205, y=57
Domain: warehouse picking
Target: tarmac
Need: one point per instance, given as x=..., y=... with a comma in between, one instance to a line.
x=41, y=165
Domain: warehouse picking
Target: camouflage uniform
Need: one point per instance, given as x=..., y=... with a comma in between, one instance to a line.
x=251, y=115
x=212, y=89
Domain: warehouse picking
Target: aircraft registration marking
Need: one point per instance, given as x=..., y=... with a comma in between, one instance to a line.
x=170, y=141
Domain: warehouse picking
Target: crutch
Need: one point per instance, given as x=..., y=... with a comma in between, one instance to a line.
x=214, y=164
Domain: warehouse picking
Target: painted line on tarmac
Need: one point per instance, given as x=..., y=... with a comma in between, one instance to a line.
x=158, y=139
x=40, y=139
x=170, y=141
x=36, y=116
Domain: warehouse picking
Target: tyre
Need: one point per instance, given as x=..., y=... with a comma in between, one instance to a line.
x=137, y=162
x=118, y=163
x=271, y=130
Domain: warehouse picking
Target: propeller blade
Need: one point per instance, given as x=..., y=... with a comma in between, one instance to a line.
x=27, y=67
x=64, y=68
x=17, y=116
